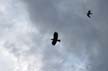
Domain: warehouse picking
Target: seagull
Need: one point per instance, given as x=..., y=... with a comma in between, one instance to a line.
x=89, y=13
x=55, y=39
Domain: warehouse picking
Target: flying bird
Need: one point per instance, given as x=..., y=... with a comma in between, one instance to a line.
x=55, y=38
x=89, y=13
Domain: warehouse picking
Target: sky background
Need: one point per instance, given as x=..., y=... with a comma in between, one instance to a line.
x=26, y=27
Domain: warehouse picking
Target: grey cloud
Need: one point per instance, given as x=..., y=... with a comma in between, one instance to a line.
x=80, y=36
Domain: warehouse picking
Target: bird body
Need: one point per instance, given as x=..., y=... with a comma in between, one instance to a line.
x=55, y=38
x=89, y=13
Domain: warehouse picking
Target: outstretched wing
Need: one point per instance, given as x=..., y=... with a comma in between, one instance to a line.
x=55, y=35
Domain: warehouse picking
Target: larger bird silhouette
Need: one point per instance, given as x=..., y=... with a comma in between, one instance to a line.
x=55, y=38
x=89, y=13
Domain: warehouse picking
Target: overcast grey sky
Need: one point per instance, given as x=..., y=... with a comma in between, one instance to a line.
x=26, y=27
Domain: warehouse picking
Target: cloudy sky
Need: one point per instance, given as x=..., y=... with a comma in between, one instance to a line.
x=26, y=27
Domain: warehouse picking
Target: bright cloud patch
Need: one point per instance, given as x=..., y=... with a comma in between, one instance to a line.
x=16, y=38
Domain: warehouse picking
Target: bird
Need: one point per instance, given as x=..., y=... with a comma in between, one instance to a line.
x=89, y=13
x=55, y=38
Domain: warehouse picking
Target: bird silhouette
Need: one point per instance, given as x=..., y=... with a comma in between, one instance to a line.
x=55, y=38
x=89, y=13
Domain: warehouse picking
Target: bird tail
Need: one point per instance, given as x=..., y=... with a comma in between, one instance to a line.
x=58, y=40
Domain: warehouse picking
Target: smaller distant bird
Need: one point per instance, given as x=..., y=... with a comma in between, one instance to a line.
x=55, y=38
x=89, y=13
